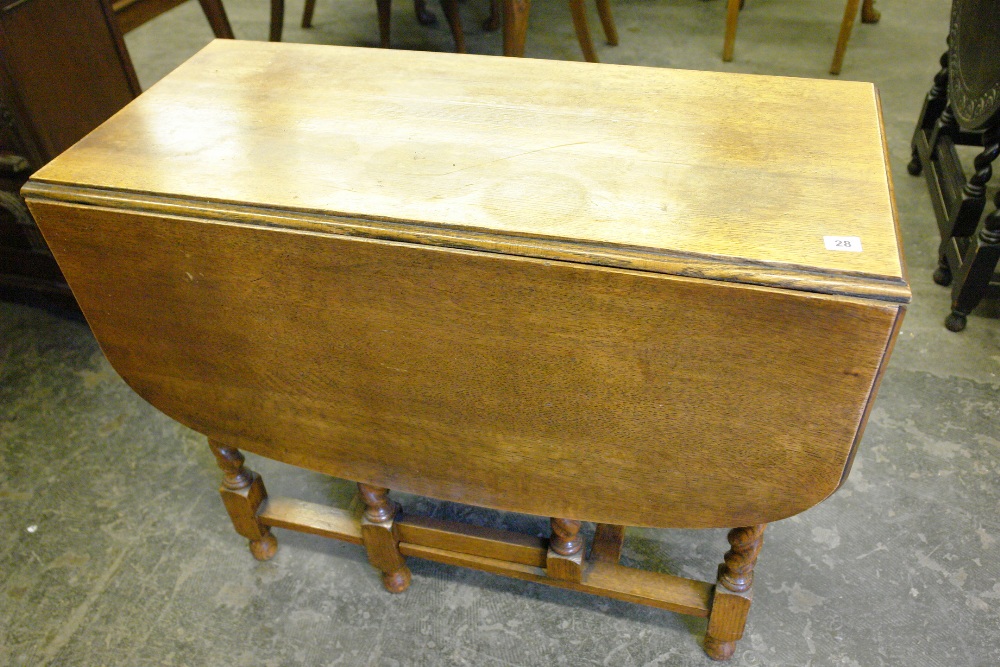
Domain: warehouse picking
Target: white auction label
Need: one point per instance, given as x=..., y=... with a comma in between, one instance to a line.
x=842, y=243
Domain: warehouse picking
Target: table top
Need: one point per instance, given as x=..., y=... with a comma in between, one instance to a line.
x=734, y=177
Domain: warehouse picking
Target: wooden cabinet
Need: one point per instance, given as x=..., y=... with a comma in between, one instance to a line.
x=63, y=71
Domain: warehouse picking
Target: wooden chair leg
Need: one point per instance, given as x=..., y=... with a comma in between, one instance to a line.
x=492, y=22
x=868, y=12
x=965, y=214
x=733, y=592
x=946, y=125
x=608, y=540
x=450, y=8
x=846, y=26
x=942, y=274
x=515, y=26
x=243, y=493
x=277, y=19
x=307, y=13
x=607, y=22
x=978, y=267
x=216, y=15
x=732, y=17
x=579, y=13
x=379, y=537
x=934, y=104
x=565, y=556
x=384, y=14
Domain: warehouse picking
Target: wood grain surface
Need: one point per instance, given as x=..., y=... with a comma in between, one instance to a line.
x=740, y=175
x=543, y=387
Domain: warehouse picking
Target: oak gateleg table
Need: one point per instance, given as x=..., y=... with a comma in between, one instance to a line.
x=623, y=295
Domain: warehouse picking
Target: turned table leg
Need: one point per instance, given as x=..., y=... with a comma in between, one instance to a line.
x=565, y=556
x=379, y=537
x=243, y=493
x=733, y=592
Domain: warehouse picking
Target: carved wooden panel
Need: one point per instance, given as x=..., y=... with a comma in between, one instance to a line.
x=974, y=42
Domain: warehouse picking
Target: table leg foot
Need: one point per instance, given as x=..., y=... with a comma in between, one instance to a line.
x=264, y=548
x=398, y=581
x=719, y=650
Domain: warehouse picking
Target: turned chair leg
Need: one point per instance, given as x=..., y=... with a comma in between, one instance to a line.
x=732, y=17
x=379, y=537
x=964, y=217
x=978, y=266
x=243, y=493
x=946, y=126
x=733, y=592
x=846, y=26
x=934, y=105
x=277, y=20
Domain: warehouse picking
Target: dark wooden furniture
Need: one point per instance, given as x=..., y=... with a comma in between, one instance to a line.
x=536, y=303
x=868, y=15
x=63, y=71
x=963, y=108
x=133, y=13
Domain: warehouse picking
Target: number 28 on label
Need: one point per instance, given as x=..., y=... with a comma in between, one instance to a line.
x=842, y=243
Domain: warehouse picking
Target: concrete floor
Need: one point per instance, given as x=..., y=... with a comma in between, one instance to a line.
x=118, y=551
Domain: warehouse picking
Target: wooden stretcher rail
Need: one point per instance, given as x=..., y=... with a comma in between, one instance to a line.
x=652, y=589
x=497, y=551
x=310, y=518
x=471, y=540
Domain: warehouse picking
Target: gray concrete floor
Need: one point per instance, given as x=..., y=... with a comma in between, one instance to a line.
x=118, y=551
